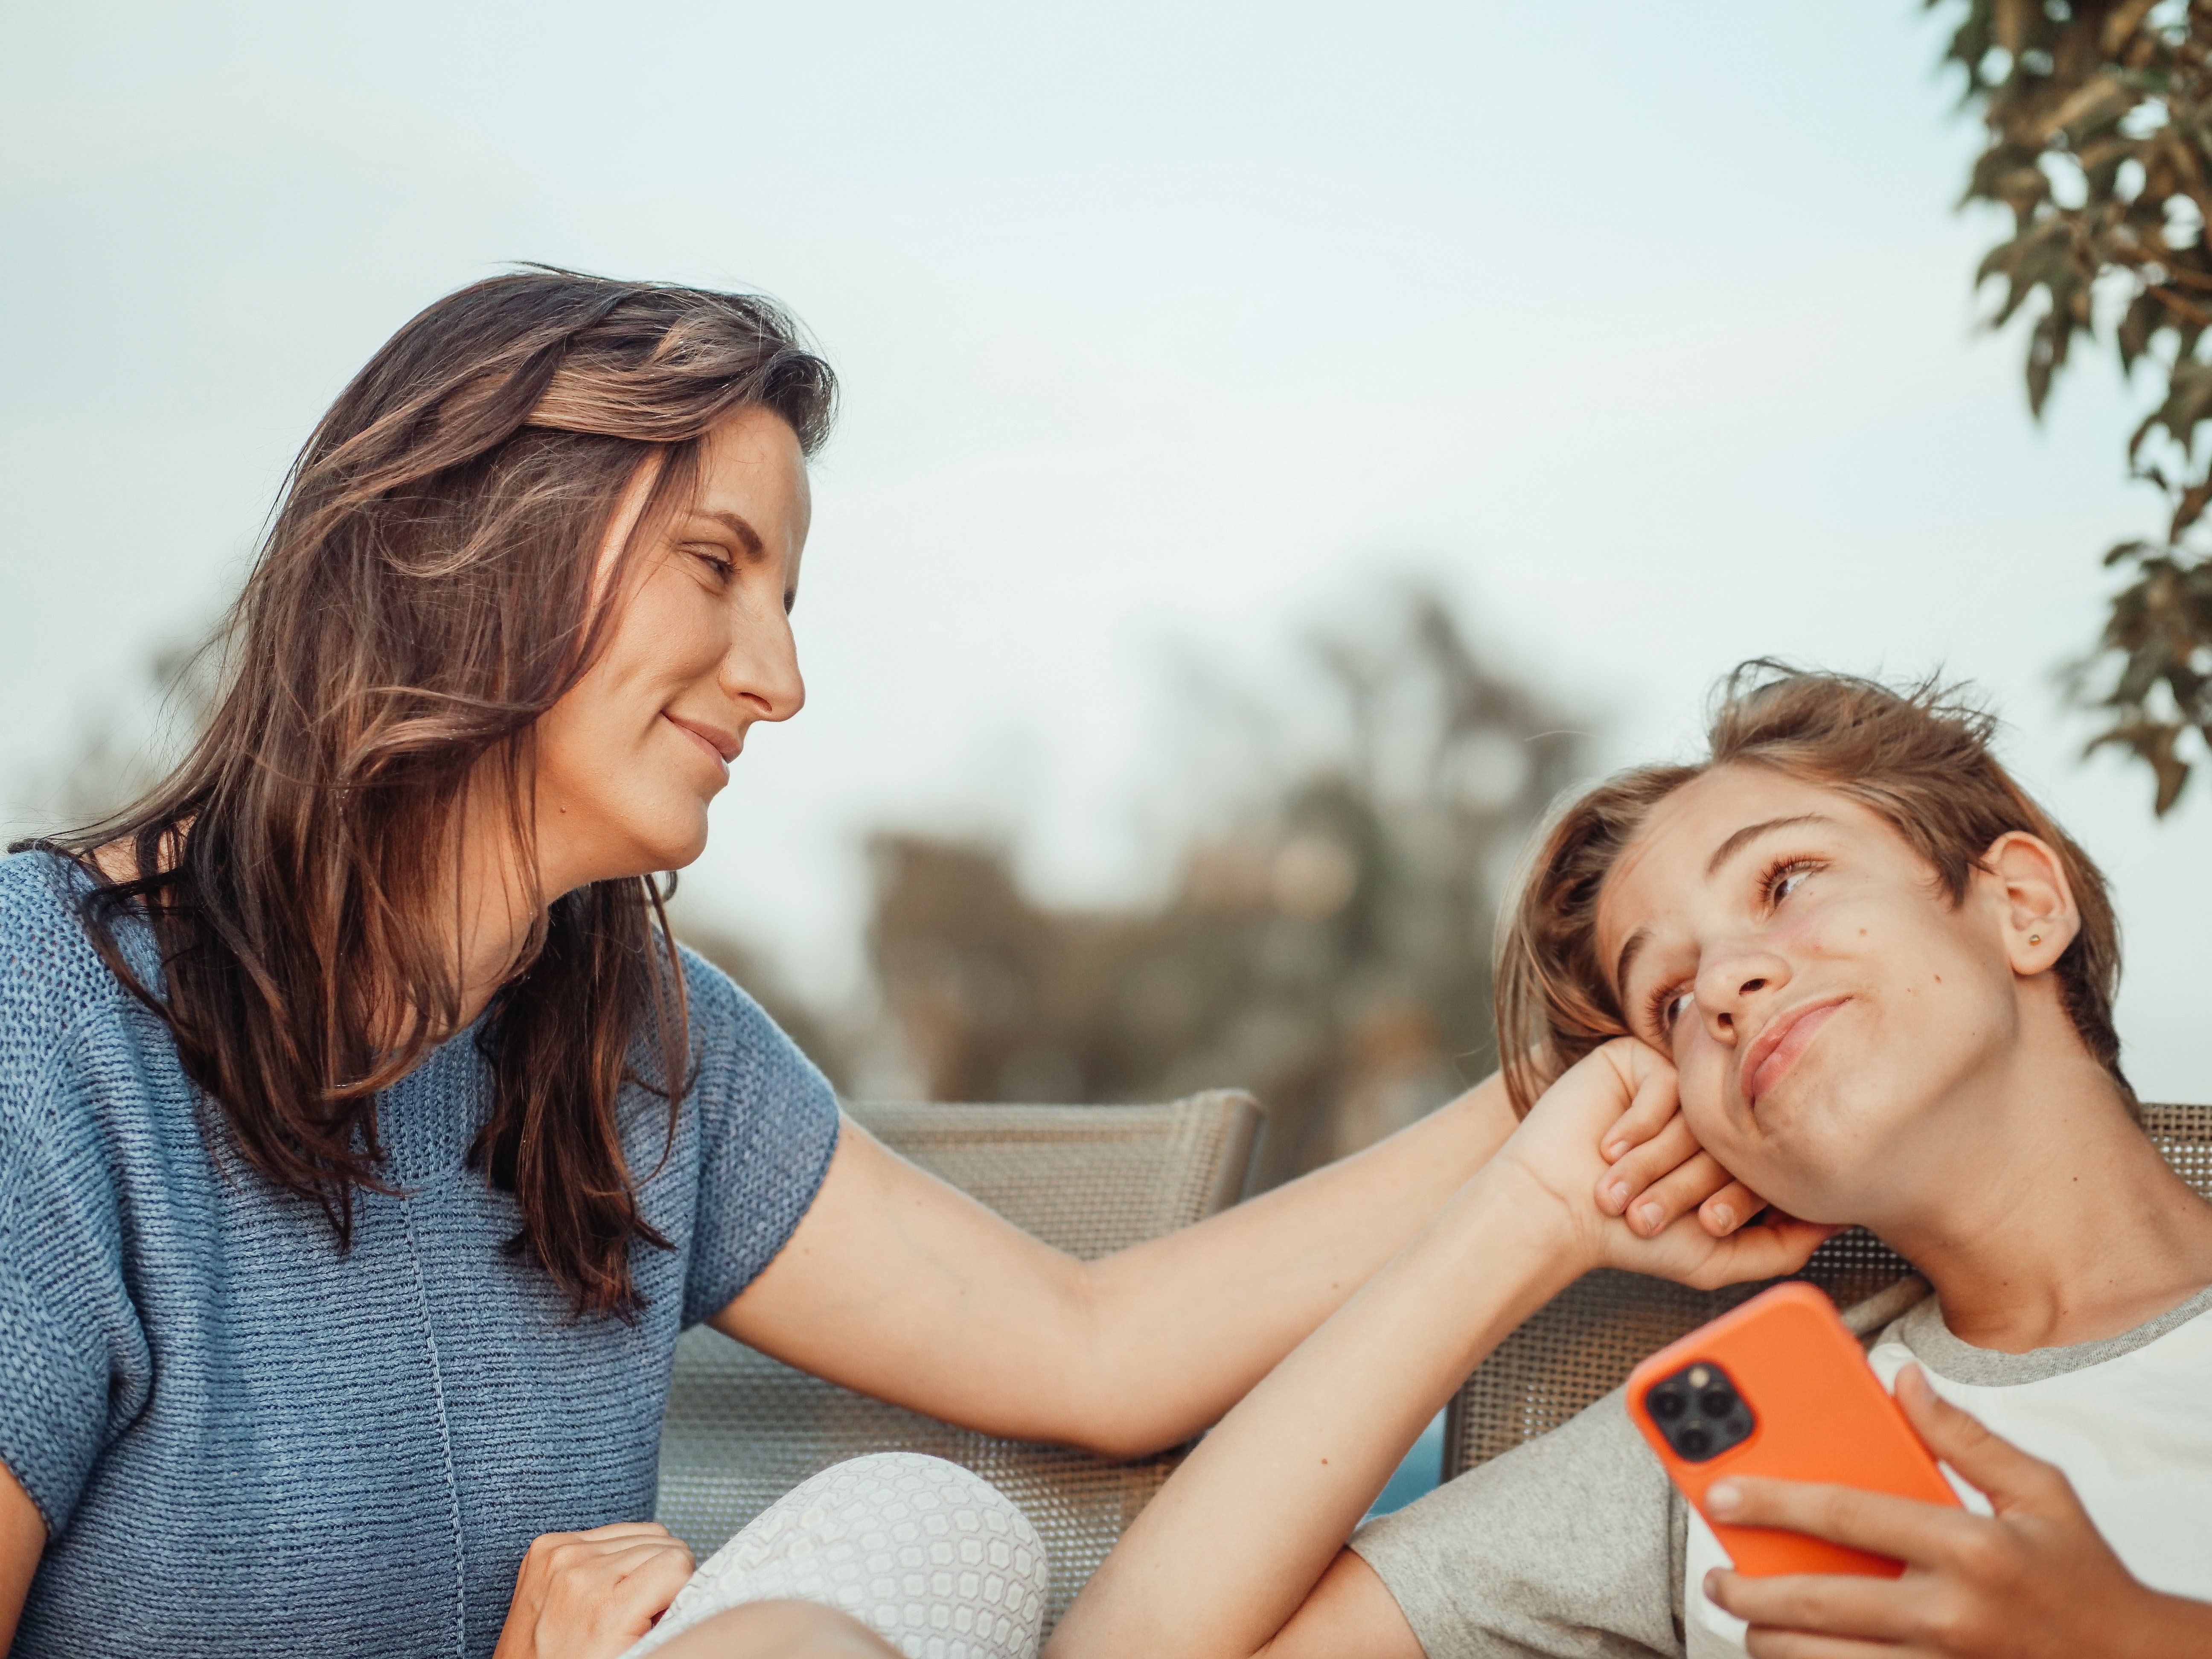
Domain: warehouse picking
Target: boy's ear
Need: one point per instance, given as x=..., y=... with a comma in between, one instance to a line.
x=2037, y=901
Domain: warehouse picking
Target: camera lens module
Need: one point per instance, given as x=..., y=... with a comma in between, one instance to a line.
x=1699, y=1411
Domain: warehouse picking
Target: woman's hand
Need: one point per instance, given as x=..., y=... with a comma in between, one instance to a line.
x=1615, y=1096
x=590, y=1595
x=2034, y=1581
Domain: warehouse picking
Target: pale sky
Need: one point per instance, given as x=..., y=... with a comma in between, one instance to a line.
x=1162, y=328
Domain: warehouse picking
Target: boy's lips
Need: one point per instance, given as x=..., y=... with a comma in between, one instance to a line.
x=1776, y=1049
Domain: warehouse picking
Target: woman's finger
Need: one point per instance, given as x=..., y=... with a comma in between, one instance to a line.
x=625, y=1529
x=1626, y=1181
x=1729, y=1209
x=1656, y=1101
x=647, y=1577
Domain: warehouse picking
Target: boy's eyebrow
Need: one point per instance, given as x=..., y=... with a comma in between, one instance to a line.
x=1636, y=941
x=1751, y=832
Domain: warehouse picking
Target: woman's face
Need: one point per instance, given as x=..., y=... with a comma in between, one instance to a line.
x=701, y=649
x=1838, y=1024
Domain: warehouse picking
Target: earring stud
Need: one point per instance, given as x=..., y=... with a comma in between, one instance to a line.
x=2035, y=938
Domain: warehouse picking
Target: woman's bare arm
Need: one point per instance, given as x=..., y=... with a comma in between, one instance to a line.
x=22, y=1541
x=899, y=1285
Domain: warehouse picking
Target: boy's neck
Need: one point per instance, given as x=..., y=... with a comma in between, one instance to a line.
x=2070, y=1226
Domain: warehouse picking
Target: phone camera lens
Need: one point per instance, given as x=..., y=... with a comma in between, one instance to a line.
x=1694, y=1441
x=1666, y=1405
x=1717, y=1403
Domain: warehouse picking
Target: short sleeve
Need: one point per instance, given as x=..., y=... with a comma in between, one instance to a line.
x=74, y=1365
x=1562, y=1547
x=768, y=1123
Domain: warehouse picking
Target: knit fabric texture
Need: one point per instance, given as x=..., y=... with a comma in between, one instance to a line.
x=244, y=1443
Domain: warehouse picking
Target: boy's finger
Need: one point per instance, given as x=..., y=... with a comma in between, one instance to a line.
x=1675, y=1194
x=1636, y=1169
x=2007, y=1476
x=1655, y=1100
x=1779, y=1245
x=1830, y=1604
x=1730, y=1208
x=1879, y=1522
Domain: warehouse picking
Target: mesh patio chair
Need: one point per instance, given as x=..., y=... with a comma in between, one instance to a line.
x=742, y=1429
x=1582, y=1345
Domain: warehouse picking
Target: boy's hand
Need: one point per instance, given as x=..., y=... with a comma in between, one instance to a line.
x=1556, y=1146
x=2034, y=1581
x=1659, y=1171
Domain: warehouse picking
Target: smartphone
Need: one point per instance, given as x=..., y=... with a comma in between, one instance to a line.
x=1779, y=1387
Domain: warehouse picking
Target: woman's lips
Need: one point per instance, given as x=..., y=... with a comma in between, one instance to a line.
x=712, y=743
x=1775, y=1050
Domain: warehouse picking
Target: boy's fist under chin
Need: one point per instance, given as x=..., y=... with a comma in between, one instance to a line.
x=1607, y=1144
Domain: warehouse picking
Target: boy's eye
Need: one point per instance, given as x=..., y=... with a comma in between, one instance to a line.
x=1785, y=878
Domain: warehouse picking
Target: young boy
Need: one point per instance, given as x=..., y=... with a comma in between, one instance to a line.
x=1879, y=978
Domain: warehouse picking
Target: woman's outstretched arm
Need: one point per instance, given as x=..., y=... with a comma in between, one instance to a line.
x=899, y=1285
x=22, y=1541
x=1231, y=1551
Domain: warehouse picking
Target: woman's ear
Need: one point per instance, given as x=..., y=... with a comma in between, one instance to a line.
x=2036, y=901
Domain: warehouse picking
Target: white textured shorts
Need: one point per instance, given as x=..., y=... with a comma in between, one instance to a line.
x=931, y=1557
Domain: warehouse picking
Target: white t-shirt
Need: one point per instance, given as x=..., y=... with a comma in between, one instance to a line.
x=2129, y=1422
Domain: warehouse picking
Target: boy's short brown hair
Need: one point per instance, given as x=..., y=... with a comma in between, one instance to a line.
x=1918, y=757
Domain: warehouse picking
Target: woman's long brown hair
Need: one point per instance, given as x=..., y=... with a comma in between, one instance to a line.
x=425, y=592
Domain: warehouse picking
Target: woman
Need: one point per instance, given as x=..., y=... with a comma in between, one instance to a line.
x=1881, y=978
x=365, y=1141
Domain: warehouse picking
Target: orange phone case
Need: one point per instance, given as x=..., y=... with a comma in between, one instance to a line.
x=1816, y=1412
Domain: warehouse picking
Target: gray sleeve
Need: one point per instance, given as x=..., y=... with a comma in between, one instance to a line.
x=1564, y=1549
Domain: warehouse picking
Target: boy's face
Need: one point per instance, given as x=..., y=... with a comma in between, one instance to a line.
x=1832, y=1016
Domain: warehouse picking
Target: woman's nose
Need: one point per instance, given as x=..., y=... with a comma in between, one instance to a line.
x=1733, y=982
x=761, y=670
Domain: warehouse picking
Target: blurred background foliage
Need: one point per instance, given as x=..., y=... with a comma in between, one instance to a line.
x=1324, y=936
x=1327, y=946
x=2098, y=115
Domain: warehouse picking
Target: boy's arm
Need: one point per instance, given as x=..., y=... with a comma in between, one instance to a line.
x=1220, y=1561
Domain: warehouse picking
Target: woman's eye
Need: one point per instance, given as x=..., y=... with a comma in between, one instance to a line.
x=1668, y=1006
x=723, y=567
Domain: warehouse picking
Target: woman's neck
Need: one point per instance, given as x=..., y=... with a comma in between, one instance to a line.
x=2062, y=1225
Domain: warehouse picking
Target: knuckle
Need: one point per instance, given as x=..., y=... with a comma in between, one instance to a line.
x=1939, y=1618
x=1987, y=1554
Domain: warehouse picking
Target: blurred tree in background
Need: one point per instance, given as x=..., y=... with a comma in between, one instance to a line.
x=2099, y=122
x=1328, y=950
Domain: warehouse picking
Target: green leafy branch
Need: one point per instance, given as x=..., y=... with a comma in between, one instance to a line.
x=2099, y=114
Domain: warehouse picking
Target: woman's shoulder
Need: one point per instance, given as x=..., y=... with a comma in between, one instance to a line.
x=745, y=1058
x=48, y=959
x=722, y=1014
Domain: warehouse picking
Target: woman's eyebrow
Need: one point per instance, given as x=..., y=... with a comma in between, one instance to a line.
x=1751, y=832
x=747, y=538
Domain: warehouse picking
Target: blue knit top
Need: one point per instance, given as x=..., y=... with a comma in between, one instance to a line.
x=244, y=1443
